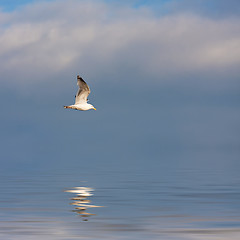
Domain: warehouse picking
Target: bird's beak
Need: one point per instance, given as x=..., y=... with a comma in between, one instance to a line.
x=95, y=109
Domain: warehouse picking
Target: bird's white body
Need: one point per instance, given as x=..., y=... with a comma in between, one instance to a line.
x=82, y=107
x=81, y=97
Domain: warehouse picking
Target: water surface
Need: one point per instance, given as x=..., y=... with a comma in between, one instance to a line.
x=194, y=201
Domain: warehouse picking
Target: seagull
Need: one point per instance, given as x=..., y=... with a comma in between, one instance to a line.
x=81, y=97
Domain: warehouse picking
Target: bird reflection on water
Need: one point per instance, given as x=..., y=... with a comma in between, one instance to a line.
x=81, y=202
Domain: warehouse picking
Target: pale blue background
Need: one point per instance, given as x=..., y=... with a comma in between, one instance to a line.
x=162, y=147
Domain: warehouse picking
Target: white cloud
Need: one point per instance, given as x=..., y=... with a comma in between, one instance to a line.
x=107, y=41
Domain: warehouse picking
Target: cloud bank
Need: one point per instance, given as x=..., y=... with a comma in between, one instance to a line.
x=117, y=42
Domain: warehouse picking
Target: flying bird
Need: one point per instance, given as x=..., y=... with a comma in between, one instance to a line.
x=81, y=97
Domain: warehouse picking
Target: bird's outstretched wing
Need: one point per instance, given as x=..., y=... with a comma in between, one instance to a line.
x=83, y=91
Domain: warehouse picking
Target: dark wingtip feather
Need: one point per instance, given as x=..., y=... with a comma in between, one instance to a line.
x=79, y=78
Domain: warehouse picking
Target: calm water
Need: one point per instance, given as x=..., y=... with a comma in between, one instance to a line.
x=186, y=197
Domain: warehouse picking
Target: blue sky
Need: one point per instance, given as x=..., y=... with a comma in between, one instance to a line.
x=213, y=7
x=163, y=77
x=12, y=5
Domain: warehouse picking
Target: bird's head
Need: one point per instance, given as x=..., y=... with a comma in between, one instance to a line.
x=92, y=107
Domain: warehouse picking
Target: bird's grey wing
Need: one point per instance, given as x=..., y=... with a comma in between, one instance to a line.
x=83, y=91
